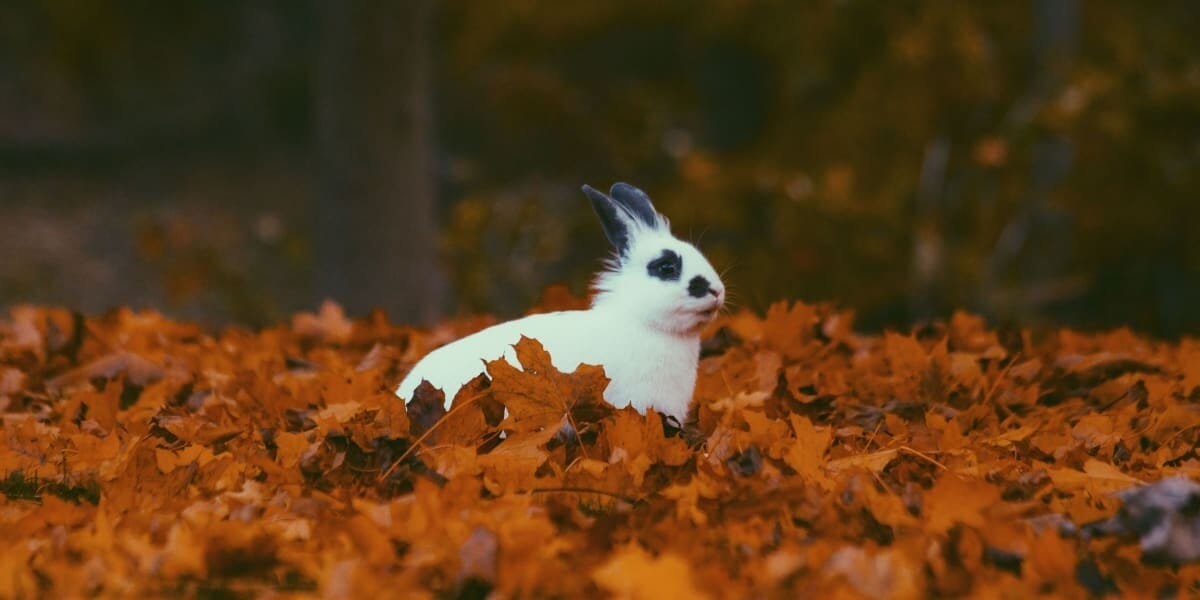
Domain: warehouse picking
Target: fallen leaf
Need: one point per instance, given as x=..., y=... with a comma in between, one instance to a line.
x=634, y=573
x=538, y=396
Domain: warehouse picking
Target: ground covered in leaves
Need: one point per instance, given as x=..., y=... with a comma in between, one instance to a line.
x=145, y=456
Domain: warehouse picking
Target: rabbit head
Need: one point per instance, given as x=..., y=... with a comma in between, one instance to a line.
x=654, y=277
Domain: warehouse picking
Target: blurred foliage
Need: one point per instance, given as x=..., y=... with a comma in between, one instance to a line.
x=1030, y=161
x=795, y=134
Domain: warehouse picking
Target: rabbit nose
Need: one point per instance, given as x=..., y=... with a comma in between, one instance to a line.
x=699, y=287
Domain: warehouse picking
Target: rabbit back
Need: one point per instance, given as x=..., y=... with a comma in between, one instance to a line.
x=645, y=369
x=450, y=367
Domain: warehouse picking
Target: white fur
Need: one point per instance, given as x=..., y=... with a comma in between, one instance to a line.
x=644, y=331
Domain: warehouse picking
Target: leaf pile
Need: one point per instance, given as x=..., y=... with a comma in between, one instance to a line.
x=143, y=456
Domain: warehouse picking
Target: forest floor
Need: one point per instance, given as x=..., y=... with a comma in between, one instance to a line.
x=148, y=456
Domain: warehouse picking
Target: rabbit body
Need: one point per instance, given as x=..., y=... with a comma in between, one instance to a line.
x=643, y=327
x=655, y=369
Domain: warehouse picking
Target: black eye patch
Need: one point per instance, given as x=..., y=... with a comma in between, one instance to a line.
x=668, y=267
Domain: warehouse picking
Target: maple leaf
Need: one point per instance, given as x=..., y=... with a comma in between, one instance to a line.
x=807, y=454
x=905, y=354
x=291, y=448
x=630, y=435
x=538, y=396
x=887, y=508
x=954, y=500
x=473, y=414
x=425, y=408
x=687, y=497
x=790, y=329
x=633, y=573
x=513, y=465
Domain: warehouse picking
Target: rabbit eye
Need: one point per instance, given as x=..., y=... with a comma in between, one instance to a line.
x=666, y=267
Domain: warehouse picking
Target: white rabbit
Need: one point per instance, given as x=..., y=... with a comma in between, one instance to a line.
x=643, y=327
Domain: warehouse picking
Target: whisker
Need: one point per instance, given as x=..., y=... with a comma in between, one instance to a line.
x=730, y=299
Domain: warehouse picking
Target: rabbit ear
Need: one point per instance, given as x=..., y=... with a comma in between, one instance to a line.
x=637, y=203
x=615, y=219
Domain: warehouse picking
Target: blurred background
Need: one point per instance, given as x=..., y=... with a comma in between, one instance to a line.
x=1036, y=162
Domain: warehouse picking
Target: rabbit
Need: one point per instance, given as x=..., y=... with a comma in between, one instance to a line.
x=648, y=308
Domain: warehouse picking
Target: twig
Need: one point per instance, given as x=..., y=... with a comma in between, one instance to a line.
x=920, y=454
x=575, y=490
x=996, y=384
x=418, y=441
x=871, y=439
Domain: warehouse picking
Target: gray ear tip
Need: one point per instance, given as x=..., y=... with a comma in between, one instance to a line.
x=621, y=187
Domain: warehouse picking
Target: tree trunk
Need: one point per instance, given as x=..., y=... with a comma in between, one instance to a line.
x=375, y=234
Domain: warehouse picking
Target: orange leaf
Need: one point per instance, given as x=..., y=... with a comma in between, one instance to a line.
x=955, y=500
x=539, y=396
x=807, y=454
x=633, y=573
